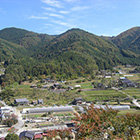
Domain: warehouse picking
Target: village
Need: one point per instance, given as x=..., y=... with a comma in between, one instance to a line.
x=35, y=118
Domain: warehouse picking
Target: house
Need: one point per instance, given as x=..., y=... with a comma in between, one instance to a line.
x=23, y=101
x=38, y=136
x=77, y=86
x=107, y=76
x=100, y=85
x=34, y=102
x=40, y=101
x=77, y=101
x=48, y=80
x=44, y=86
x=126, y=82
x=27, y=134
x=33, y=86
x=57, y=85
x=70, y=88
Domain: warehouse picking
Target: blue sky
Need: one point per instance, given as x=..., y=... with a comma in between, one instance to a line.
x=100, y=17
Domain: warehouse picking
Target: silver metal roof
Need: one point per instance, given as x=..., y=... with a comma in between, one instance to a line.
x=21, y=100
x=50, y=109
x=115, y=107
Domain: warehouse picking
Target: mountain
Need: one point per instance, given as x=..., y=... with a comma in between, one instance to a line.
x=129, y=40
x=10, y=51
x=27, y=39
x=68, y=55
x=78, y=47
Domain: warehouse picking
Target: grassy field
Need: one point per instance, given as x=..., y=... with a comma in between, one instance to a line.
x=135, y=92
x=102, y=95
x=131, y=111
x=50, y=98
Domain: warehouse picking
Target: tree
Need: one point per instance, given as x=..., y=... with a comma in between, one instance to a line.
x=12, y=136
x=97, y=122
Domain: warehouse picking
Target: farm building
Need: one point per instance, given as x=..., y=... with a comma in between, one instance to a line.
x=21, y=101
x=115, y=107
x=49, y=109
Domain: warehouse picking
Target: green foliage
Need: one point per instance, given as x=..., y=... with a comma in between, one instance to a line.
x=12, y=136
x=96, y=123
x=66, y=56
x=7, y=94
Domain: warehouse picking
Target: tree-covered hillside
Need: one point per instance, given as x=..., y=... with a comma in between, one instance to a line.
x=27, y=39
x=129, y=40
x=68, y=55
x=10, y=51
x=76, y=45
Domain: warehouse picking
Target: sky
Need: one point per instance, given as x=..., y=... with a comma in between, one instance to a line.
x=53, y=17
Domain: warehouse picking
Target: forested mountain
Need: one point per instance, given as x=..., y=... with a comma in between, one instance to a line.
x=10, y=50
x=129, y=40
x=68, y=55
x=78, y=48
x=27, y=39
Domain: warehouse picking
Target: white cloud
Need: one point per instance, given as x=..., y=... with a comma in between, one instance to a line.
x=79, y=8
x=64, y=12
x=54, y=15
x=63, y=23
x=38, y=17
x=53, y=3
x=49, y=9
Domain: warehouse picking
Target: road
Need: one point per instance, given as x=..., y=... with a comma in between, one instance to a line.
x=20, y=122
x=134, y=101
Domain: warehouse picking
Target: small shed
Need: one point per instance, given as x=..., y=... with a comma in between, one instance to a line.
x=40, y=101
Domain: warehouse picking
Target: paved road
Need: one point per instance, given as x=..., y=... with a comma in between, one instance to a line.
x=20, y=122
x=134, y=101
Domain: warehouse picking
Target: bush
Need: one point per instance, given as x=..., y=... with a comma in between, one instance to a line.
x=12, y=136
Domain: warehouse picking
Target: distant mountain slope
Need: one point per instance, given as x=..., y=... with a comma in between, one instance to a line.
x=27, y=39
x=129, y=40
x=76, y=45
x=10, y=51
x=75, y=48
x=74, y=53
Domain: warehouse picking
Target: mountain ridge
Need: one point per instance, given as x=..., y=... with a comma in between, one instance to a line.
x=73, y=53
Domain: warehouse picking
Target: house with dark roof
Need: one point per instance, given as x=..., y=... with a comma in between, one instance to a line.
x=77, y=101
x=126, y=82
x=40, y=101
x=57, y=85
x=23, y=101
x=27, y=134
